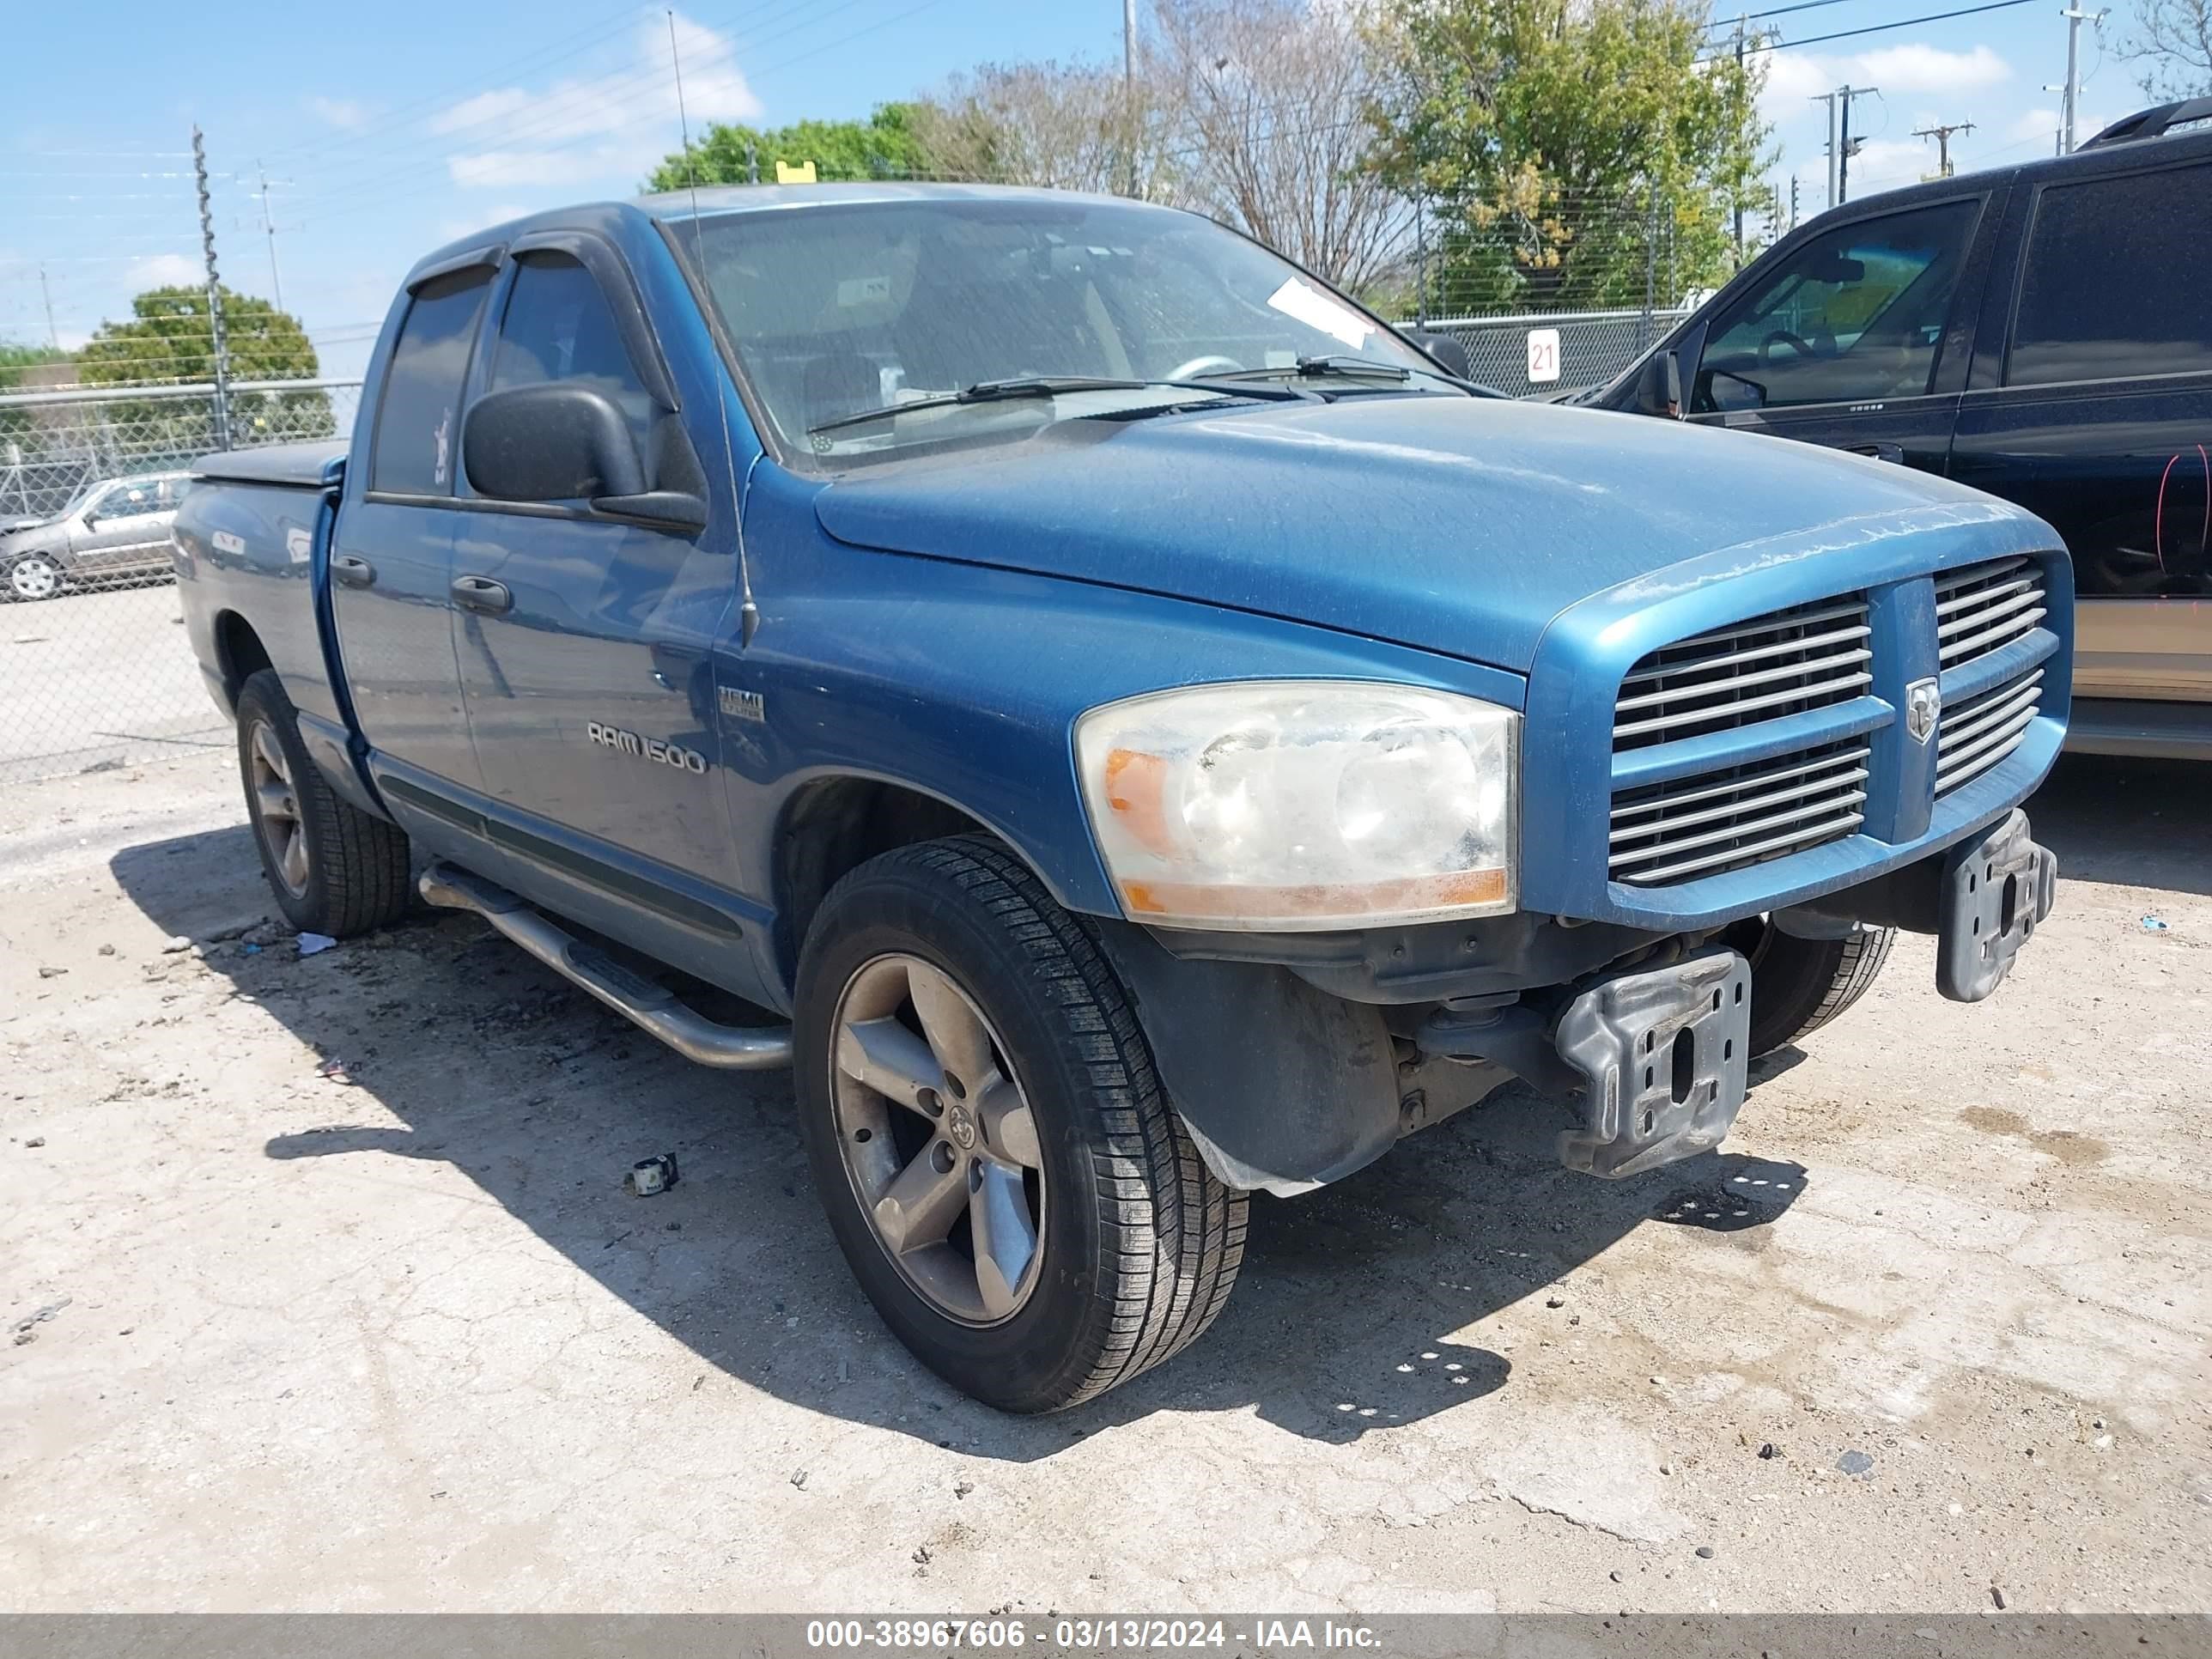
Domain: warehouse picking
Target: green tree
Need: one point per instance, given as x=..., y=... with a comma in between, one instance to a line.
x=15, y=358
x=881, y=147
x=169, y=341
x=1568, y=150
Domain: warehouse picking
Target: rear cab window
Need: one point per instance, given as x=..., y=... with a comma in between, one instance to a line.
x=417, y=433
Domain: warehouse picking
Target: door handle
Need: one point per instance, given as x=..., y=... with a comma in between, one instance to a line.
x=353, y=570
x=482, y=593
x=1893, y=454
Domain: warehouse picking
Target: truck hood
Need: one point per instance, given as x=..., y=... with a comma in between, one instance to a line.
x=1462, y=526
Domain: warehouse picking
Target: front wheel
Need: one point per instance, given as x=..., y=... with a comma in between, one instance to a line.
x=998, y=1159
x=1799, y=985
x=34, y=576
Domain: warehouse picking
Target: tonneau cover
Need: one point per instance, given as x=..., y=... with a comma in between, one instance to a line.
x=317, y=465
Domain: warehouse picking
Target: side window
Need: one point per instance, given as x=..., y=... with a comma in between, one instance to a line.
x=2115, y=286
x=416, y=435
x=558, y=326
x=1857, y=313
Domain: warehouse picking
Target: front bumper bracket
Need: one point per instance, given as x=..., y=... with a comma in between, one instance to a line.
x=1996, y=888
x=1664, y=1054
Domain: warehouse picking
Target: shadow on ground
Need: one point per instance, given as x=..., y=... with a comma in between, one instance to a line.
x=2131, y=822
x=1341, y=1323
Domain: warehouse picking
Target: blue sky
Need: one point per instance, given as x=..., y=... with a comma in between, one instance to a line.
x=387, y=127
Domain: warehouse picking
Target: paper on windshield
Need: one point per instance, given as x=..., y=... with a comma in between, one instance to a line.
x=1317, y=310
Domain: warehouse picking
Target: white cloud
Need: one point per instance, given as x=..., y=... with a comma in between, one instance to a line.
x=166, y=271
x=1917, y=67
x=1794, y=77
x=615, y=124
x=348, y=114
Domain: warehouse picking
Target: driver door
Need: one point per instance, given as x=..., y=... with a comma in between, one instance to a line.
x=1859, y=338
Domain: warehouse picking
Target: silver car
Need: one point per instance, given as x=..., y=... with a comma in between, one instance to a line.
x=114, y=531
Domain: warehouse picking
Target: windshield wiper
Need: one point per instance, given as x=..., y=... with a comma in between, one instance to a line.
x=990, y=391
x=1333, y=363
x=1050, y=386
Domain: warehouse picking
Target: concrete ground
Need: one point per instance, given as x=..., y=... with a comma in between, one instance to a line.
x=99, y=678
x=396, y=1339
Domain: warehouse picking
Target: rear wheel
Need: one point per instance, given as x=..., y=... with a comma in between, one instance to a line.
x=34, y=576
x=333, y=867
x=999, y=1162
x=1799, y=985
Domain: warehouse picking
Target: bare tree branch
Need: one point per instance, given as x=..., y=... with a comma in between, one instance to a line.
x=1269, y=99
x=2173, y=38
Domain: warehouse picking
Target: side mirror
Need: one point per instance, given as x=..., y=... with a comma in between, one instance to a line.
x=1659, y=385
x=565, y=442
x=1447, y=351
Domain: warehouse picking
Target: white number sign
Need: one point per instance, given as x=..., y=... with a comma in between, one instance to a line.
x=1543, y=354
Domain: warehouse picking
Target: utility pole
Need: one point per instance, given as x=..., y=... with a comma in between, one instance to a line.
x=1829, y=99
x=1739, y=23
x=1129, y=96
x=221, y=343
x=1793, y=201
x=1845, y=148
x=53, y=334
x=268, y=229
x=2075, y=17
x=1942, y=135
x=752, y=162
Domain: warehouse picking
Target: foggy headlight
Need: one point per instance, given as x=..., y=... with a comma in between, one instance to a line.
x=1303, y=803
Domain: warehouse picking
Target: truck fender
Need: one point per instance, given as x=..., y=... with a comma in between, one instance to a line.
x=1283, y=1087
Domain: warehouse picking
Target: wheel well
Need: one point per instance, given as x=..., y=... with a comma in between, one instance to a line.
x=238, y=653
x=835, y=826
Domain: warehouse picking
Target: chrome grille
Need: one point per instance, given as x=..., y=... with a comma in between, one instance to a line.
x=1986, y=608
x=1810, y=656
x=1983, y=729
x=1743, y=814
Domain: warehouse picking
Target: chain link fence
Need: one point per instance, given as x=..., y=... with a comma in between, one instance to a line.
x=1542, y=351
x=95, y=671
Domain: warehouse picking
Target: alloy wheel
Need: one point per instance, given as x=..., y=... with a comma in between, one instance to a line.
x=277, y=809
x=938, y=1139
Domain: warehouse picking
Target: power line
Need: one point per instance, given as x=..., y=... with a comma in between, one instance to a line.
x=1872, y=28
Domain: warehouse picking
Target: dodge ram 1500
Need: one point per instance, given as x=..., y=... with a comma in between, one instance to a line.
x=1142, y=729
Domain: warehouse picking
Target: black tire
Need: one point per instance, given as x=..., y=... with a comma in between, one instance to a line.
x=1799, y=985
x=356, y=866
x=1139, y=1243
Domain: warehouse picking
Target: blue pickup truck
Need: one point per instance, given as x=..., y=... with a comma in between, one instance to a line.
x=1138, y=730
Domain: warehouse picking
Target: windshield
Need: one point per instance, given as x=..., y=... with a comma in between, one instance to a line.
x=835, y=310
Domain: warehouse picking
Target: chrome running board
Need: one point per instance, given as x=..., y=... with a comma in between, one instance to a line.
x=653, y=1007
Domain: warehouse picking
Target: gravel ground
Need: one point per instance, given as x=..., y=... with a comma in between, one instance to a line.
x=396, y=1340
